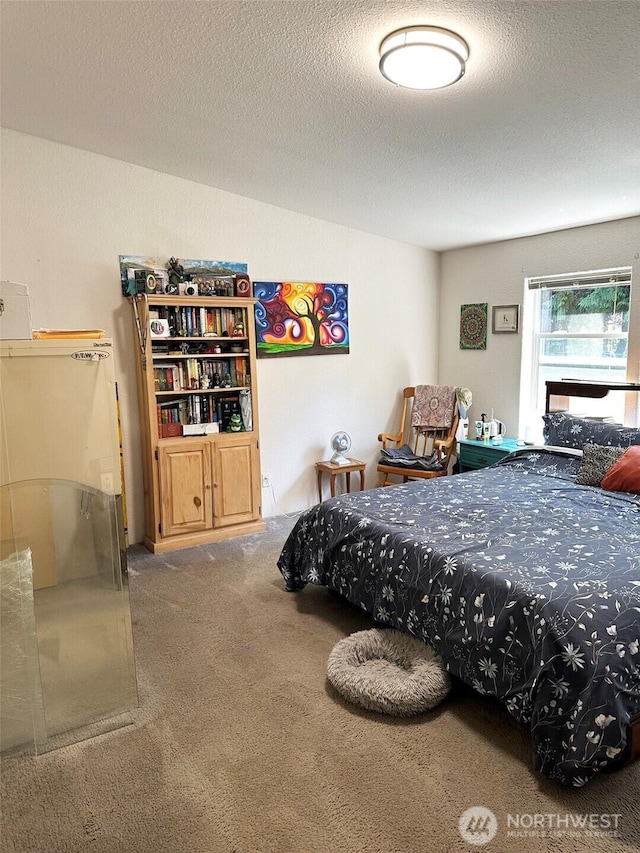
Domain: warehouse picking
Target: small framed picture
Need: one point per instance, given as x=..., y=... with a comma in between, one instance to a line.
x=506, y=318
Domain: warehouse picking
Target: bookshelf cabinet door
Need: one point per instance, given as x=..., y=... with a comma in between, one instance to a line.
x=185, y=488
x=236, y=467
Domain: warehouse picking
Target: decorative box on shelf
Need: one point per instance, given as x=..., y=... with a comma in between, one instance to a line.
x=200, y=429
x=169, y=430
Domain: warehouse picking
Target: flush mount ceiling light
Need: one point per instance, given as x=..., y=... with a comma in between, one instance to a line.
x=423, y=57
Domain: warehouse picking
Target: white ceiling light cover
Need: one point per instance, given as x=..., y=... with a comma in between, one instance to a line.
x=423, y=57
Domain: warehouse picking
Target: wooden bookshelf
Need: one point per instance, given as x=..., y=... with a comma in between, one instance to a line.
x=201, y=472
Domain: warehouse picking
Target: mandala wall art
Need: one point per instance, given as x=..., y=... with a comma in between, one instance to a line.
x=473, y=325
x=301, y=318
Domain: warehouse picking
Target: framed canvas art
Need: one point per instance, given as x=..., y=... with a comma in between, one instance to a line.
x=473, y=325
x=301, y=318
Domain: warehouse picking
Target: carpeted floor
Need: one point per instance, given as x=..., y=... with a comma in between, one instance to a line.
x=240, y=745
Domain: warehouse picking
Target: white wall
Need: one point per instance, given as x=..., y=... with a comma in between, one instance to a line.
x=67, y=215
x=495, y=273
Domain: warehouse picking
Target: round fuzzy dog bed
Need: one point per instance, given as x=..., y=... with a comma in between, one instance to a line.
x=387, y=671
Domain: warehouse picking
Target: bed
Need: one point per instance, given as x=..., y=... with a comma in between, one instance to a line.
x=525, y=582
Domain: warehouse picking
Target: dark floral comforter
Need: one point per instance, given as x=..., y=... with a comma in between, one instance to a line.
x=526, y=584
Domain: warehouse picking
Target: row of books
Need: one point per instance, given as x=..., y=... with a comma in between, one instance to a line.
x=199, y=409
x=193, y=321
x=193, y=374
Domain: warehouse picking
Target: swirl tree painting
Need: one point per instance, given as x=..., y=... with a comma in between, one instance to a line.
x=301, y=318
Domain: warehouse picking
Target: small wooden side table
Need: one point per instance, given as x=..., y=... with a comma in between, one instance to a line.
x=333, y=470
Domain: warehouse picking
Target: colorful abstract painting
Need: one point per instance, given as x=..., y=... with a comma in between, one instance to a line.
x=301, y=318
x=473, y=325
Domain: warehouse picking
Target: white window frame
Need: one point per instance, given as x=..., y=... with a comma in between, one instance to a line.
x=531, y=407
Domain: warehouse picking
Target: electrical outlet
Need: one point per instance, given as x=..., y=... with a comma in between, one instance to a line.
x=266, y=481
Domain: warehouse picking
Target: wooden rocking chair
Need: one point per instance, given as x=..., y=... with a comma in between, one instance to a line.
x=432, y=448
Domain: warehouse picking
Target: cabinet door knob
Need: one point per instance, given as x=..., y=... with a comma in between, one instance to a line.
x=197, y=501
x=208, y=486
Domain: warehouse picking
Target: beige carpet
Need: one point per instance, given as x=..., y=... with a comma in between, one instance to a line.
x=241, y=746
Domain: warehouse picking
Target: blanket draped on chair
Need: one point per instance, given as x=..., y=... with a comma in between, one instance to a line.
x=404, y=457
x=433, y=407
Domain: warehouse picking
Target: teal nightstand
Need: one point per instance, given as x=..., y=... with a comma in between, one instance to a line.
x=480, y=454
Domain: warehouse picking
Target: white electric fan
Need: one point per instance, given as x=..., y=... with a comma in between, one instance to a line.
x=341, y=445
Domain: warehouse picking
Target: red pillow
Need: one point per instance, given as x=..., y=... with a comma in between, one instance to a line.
x=624, y=475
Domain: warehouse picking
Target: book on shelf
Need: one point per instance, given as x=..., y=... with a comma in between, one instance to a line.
x=198, y=321
x=241, y=371
x=170, y=430
x=166, y=377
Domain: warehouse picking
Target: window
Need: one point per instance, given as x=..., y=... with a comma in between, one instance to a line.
x=579, y=327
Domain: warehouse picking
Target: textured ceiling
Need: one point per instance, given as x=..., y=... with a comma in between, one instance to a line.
x=283, y=102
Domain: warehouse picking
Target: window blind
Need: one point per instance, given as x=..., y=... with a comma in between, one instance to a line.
x=602, y=278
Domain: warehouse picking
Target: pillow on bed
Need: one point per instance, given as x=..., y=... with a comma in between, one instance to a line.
x=624, y=475
x=565, y=430
x=596, y=461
